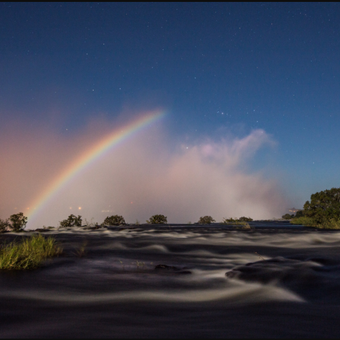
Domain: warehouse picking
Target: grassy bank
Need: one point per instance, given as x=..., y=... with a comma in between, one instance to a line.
x=303, y=220
x=29, y=253
x=309, y=222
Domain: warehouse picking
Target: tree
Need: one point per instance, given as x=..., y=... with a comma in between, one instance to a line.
x=71, y=221
x=18, y=222
x=323, y=206
x=206, y=220
x=245, y=219
x=299, y=213
x=4, y=225
x=114, y=220
x=157, y=219
x=288, y=216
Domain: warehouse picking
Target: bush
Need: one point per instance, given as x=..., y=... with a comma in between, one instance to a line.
x=306, y=221
x=28, y=254
x=90, y=224
x=206, y=220
x=18, y=222
x=240, y=220
x=114, y=220
x=323, y=206
x=330, y=224
x=157, y=219
x=245, y=219
x=72, y=221
x=229, y=220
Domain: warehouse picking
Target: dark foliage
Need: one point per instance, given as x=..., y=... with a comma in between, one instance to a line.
x=18, y=222
x=299, y=213
x=71, y=221
x=323, y=206
x=157, y=219
x=114, y=220
x=245, y=219
x=4, y=225
x=288, y=216
x=205, y=220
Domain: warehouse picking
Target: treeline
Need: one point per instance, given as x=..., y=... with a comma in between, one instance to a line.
x=321, y=211
x=113, y=220
x=17, y=222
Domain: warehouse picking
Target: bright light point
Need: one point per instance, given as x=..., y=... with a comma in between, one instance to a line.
x=79, y=208
x=70, y=207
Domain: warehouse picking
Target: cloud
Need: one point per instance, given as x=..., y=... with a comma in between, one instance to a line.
x=148, y=174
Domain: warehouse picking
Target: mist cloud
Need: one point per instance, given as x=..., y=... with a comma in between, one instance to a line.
x=146, y=175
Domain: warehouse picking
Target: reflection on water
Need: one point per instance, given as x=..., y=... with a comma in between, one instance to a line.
x=199, y=268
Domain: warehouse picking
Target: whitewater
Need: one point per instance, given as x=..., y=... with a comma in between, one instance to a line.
x=171, y=281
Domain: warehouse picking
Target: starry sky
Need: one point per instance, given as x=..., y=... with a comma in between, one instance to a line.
x=223, y=72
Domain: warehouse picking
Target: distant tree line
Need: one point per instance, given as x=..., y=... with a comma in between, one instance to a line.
x=17, y=222
x=321, y=211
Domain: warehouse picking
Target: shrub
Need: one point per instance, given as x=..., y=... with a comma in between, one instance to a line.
x=71, y=221
x=157, y=219
x=332, y=223
x=245, y=219
x=206, y=220
x=29, y=253
x=114, y=220
x=304, y=220
x=90, y=224
x=18, y=222
x=229, y=220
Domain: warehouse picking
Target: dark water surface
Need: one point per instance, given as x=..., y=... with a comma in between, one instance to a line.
x=179, y=281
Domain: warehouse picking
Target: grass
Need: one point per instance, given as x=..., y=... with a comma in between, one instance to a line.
x=245, y=225
x=29, y=253
x=81, y=251
x=303, y=220
x=309, y=222
x=233, y=221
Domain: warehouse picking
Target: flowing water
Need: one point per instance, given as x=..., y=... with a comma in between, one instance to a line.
x=179, y=281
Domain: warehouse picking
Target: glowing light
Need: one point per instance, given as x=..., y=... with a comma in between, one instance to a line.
x=90, y=155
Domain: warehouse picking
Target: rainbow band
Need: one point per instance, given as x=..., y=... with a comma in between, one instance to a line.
x=89, y=156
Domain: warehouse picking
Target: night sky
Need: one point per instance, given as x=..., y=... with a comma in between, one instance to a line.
x=221, y=71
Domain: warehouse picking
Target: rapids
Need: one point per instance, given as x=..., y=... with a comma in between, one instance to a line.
x=211, y=281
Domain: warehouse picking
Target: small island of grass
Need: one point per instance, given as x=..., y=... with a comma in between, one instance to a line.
x=29, y=253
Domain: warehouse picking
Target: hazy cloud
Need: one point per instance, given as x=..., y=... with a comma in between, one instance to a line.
x=139, y=178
